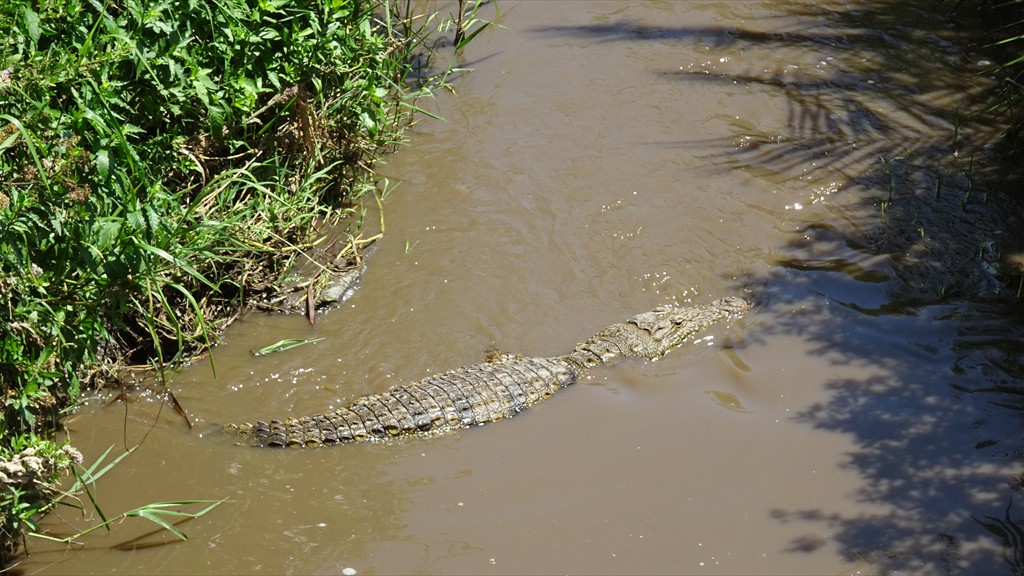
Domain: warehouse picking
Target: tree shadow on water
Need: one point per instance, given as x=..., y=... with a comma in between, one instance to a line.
x=866, y=89
x=875, y=96
x=935, y=420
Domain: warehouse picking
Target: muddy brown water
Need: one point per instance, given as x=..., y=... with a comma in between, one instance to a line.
x=602, y=159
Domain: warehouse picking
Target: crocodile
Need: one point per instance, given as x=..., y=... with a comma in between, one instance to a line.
x=500, y=387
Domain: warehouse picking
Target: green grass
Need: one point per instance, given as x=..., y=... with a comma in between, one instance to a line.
x=164, y=162
x=1003, y=21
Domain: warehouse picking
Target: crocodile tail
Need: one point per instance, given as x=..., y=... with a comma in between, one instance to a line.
x=456, y=399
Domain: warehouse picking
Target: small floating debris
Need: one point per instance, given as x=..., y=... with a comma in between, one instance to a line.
x=282, y=345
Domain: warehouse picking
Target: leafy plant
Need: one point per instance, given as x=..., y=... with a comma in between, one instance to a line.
x=158, y=512
x=164, y=163
x=466, y=18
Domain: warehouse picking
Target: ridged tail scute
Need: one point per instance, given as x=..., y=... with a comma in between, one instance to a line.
x=499, y=388
x=460, y=398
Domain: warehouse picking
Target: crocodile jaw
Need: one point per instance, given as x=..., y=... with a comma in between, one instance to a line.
x=654, y=333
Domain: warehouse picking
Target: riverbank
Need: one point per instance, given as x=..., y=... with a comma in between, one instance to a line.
x=165, y=167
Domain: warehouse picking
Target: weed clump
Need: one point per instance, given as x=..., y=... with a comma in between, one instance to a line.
x=161, y=164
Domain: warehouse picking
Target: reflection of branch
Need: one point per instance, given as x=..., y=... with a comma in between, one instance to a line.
x=1012, y=535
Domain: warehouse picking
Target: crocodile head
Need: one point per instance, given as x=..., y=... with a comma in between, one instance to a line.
x=658, y=331
x=651, y=334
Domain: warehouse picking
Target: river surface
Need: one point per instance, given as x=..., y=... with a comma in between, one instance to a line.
x=604, y=158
